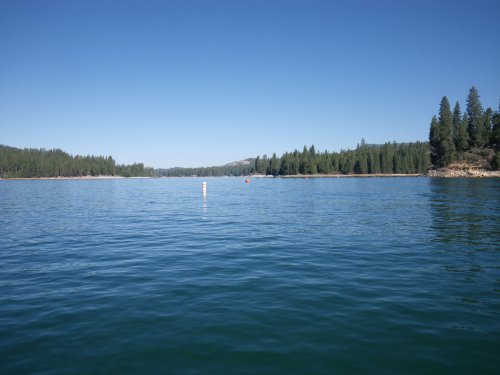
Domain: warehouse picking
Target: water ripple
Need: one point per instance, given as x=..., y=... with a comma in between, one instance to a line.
x=277, y=276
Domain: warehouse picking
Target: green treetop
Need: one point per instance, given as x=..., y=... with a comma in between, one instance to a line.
x=446, y=143
x=475, y=115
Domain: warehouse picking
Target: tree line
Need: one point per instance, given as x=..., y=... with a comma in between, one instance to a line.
x=389, y=158
x=226, y=170
x=30, y=162
x=471, y=137
x=365, y=159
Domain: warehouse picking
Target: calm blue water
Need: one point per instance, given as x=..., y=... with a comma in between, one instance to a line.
x=316, y=276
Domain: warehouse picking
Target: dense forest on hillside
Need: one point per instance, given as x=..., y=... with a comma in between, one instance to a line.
x=225, y=170
x=471, y=138
x=29, y=162
x=388, y=158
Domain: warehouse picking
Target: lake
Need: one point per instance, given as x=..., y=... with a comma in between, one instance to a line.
x=278, y=276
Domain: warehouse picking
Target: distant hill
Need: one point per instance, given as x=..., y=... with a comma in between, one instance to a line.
x=249, y=161
x=235, y=168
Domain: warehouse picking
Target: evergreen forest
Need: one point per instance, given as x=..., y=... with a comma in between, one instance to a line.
x=456, y=138
x=29, y=162
x=216, y=171
x=389, y=158
x=471, y=137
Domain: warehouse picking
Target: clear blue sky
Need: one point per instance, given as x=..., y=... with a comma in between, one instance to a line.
x=196, y=83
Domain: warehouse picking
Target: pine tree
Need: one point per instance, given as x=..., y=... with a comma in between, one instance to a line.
x=285, y=164
x=304, y=161
x=457, y=121
x=312, y=150
x=263, y=165
x=274, y=165
x=486, y=129
x=475, y=115
x=446, y=149
x=495, y=131
x=462, y=136
x=312, y=166
x=257, y=165
x=324, y=165
x=374, y=161
x=434, y=140
x=495, y=138
x=294, y=169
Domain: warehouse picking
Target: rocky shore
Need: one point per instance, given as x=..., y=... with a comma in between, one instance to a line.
x=469, y=172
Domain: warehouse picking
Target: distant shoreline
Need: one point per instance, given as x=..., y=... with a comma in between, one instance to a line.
x=66, y=178
x=434, y=173
x=440, y=173
x=352, y=175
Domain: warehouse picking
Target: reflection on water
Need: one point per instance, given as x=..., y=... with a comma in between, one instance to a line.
x=204, y=206
x=466, y=213
x=466, y=226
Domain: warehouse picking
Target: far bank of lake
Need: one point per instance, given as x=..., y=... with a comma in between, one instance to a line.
x=433, y=173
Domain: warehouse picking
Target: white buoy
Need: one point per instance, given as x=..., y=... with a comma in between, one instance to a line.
x=204, y=188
